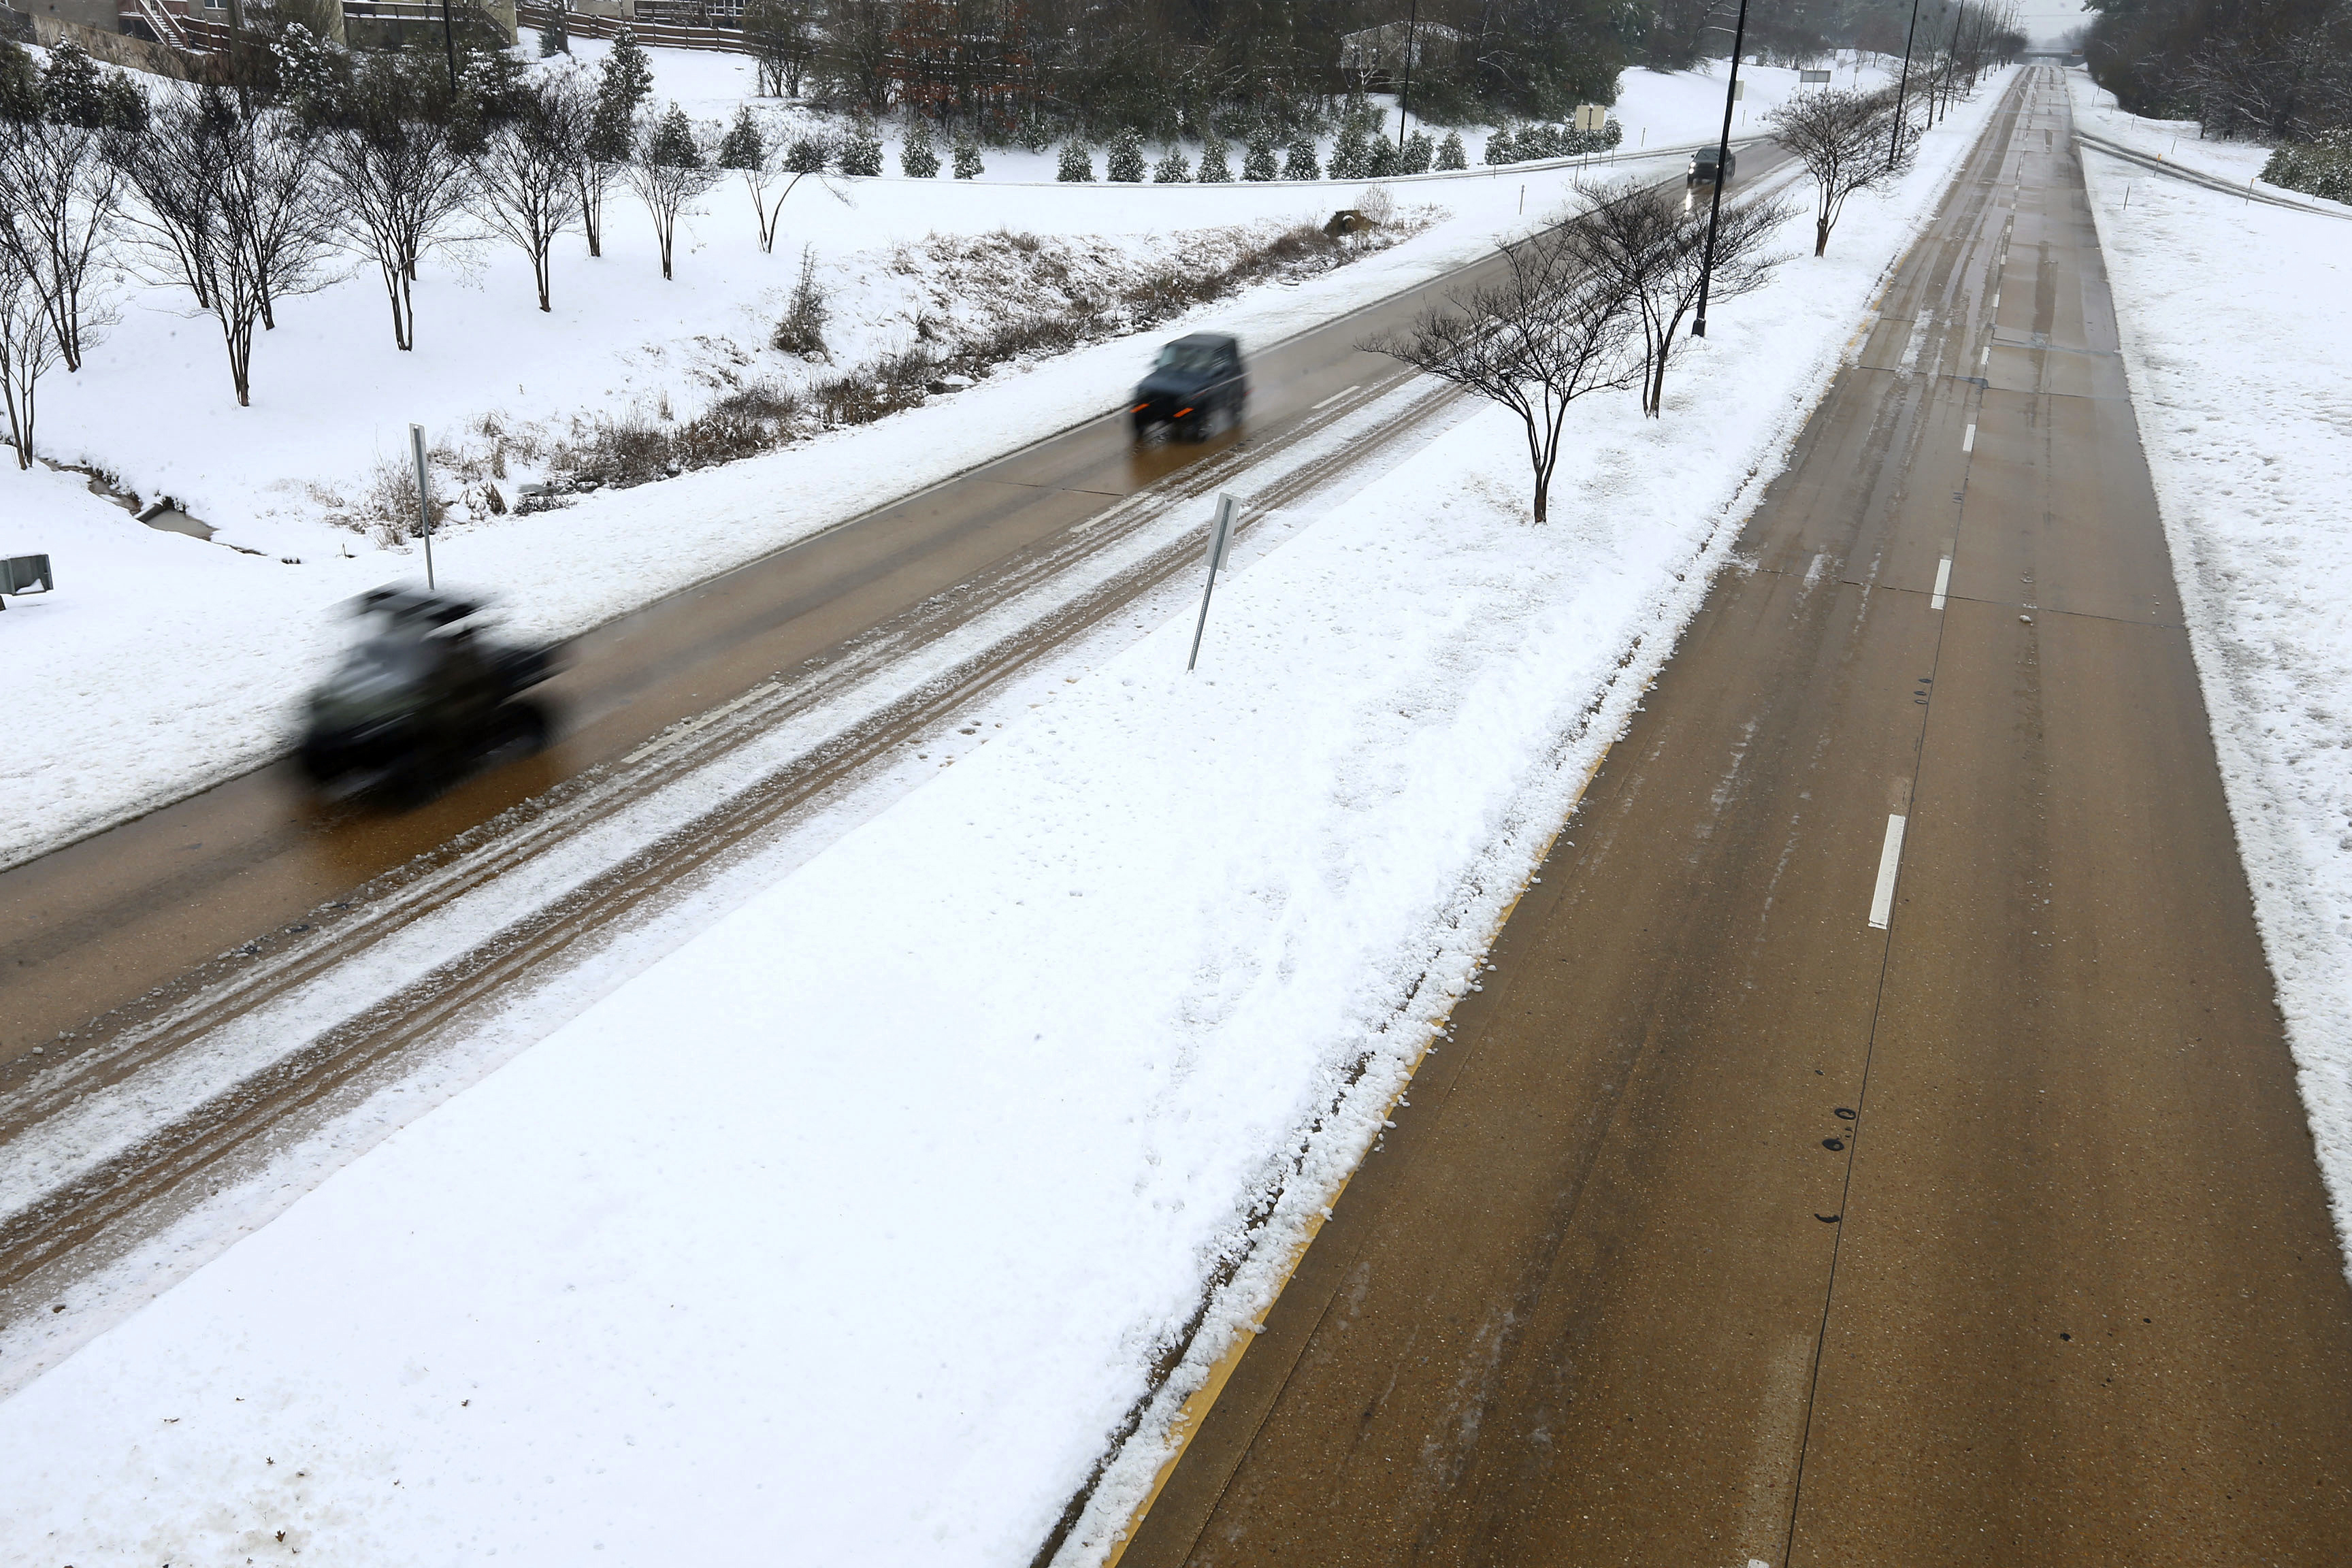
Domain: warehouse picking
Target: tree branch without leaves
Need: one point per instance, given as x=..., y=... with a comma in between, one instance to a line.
x=525, y=178
x=1543, y=334
x=1843, y=139
x=1653, y=249
x=29, y=347
x=60, y=201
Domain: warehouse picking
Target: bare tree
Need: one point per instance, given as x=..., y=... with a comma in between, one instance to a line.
x=60, y=203
x=395, y=179
x=1632, y=236
x=525, y=177
x=1842, y=138
x=1543, y=334
x=28, y=348
x=229, y=205
x=1655, y=252
x=782, y=36
x=670, y=168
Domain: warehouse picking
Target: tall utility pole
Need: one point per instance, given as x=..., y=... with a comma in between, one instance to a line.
x=1894, y=148
x=449, y=42
x=1722, y=157
x=1411, y=29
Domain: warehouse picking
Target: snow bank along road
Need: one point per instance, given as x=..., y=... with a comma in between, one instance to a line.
x=307, y=953
x=1875, y=1142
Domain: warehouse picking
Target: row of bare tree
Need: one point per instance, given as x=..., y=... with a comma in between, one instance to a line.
x=1598, y=300
x=1595, y=302
x=245, y=203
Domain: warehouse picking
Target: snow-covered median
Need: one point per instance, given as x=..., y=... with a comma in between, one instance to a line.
x=849, y=1231
x=2235, y=319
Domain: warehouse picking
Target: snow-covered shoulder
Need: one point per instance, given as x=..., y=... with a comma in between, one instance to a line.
x=2243, y=390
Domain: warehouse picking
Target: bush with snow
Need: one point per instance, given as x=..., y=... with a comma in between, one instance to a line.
x=918, y=158
x=1077, y=165
x=1257, y=162
x=2323, y=168
x=1214, y=170
x=1125, y=163
x=1173, y=168
x=1351, y=154
x=1451, y=153
x=1300, y=164
x=861, y=148
x=968, y=165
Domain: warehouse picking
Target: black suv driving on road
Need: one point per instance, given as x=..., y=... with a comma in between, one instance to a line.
x=1702, y=166
x=1197, y=381
x=420, y=701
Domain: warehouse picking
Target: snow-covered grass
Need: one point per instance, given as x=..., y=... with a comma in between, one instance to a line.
x=2180, y=141
x=847, y=1231
x=2235, y=316
x=143, y=679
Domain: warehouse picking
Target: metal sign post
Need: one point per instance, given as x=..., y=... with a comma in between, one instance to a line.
x=423, y=497
x=1221, y=536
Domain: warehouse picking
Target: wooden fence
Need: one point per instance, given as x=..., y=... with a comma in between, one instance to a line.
x=668, y=34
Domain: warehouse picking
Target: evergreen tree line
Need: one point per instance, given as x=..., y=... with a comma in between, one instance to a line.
x=2278, y=70
x=1038, y=71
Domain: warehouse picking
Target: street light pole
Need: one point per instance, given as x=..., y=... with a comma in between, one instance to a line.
x=1722, y=155
x=449, y=42
x=1894, y=148
x=1412, y=27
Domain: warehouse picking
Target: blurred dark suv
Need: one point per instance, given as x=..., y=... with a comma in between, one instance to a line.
x=1197, y=385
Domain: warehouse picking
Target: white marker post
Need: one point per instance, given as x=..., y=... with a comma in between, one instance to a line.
x=1221, y=535
x=423, y=497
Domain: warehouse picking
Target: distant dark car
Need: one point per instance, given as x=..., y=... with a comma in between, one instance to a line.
x=1702, y=166
x=1197, y=384
x=420, y=701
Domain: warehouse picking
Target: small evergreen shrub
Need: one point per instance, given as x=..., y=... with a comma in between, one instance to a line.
x=1417, y=153
x=1257, y=162
x=861, y=148
x=1077, y=164
x=968, y=165
x=1300, y=164
x=1451, y=153
x=1351, y=154
x=1502, y=146
x=1125, y=164
x=1174, y=169
x=918, y=158
x=807, y=155
x=1214, y=170
x=2323, y=168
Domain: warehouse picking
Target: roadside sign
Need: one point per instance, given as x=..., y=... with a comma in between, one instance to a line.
x=1739, y=91
x=424, y=497
x=1812, y=79
x=1591, y=117
x=1221, y=538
